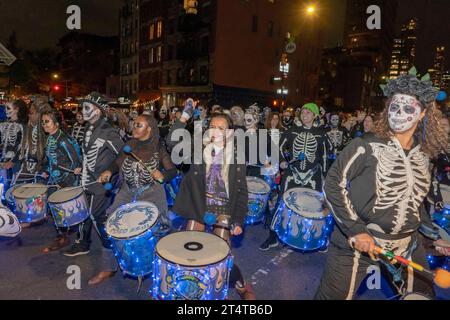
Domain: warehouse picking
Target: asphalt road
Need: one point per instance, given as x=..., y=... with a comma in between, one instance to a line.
x=277, y=274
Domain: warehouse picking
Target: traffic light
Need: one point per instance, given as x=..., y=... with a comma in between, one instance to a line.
x=56, y=88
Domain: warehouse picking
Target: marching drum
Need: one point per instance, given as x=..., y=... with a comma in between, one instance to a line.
x=191, y=265
x=301, y=221
x=414, y=296
x=68, y=206
x=9, y=198
x=172, y=188
x=258, y=196
x=30, y=202
x=131, y=230
x=270, y=176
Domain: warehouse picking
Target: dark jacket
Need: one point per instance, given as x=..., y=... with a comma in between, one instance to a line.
x=191, y=200
x=376, y=184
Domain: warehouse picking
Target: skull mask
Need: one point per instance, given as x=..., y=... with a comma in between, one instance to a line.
x=251, y=119
x=237, y=115
x=334, y=121
x=90, y=111
x=404, y=112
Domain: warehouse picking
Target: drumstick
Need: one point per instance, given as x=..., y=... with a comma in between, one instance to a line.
x=66, y=169
x=82, y=186
x=441, y=277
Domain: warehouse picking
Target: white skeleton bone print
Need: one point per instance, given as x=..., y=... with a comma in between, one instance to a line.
x=402, y=181
x=304, y=179
x=90, y=159
x=305, y=143
x=336, y=138
x=136, y=175
x=9, y=135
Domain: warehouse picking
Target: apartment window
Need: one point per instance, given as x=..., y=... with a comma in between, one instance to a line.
x=169, y=53
x=255, y=24
x=151, y=56
x=270, y=29
x=159, y=54
x=152, y=32
x=169, y=77
x=159, y=29
x=171, y=26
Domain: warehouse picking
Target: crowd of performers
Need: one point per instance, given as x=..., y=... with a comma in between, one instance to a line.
x=380, y=175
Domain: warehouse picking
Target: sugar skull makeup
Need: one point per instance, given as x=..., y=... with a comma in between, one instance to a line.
x=11, y=111
x=250, y=120
x=334, y=120
x=90, y=111
x=404, y=112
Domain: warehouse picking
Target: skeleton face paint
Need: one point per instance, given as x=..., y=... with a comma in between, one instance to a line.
x=237, y=115
x=404, y=112
x=334, y=120
x=11, y=112
x=90, y=111
x=250, y=120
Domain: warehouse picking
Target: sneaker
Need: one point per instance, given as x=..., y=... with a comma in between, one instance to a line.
x=269, y=243
x=76, y=250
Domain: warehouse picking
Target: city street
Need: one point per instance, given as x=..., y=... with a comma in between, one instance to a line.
x=278, y=274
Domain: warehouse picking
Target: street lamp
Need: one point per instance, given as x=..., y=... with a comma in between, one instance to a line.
x=55, y=76
x=310, y=9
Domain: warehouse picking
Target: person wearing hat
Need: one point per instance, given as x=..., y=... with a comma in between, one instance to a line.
x=102, y=145
x=376, y=189
x=308, y=147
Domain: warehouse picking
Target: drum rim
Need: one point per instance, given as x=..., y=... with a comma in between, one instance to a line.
x=136, y=235
x=22, y=198
x=59, y=202
x=415, y=293
x=197, y=266
x=262, y=180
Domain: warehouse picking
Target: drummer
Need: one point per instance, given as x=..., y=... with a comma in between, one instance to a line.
x=139, y=183
x=62, y=157
x=376, y=189
x=216, y=186
x=309, y=147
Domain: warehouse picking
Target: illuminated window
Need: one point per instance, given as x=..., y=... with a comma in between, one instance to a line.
x=151, y=56
x=159, y=29
x=152, y=32
x=159, y=54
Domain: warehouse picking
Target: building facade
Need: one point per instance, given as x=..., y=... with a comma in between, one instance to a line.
x=403, y=56
x=129, y=48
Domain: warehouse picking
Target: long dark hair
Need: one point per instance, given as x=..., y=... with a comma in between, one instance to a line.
x=38, y=106
x=22, y=114
x=55, y=115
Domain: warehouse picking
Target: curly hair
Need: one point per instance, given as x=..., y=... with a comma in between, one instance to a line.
x=428, y=134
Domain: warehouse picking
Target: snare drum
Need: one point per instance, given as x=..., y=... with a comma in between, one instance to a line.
x=191, y=265
x=414, y=296
x=131, y=229
x=258, y=196
x=9, y=198
x=301, y=220
x=30, y=202
x=68, y=206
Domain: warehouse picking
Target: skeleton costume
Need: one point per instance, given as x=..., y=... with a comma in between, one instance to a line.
x=11, y=134
x=78, y=132
x=101, y=146
x=337, y=135
x=308, y=149
x=378, y=188
x=63, y=156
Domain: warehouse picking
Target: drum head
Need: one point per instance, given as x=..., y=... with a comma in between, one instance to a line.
x=29, y=190
x=193, y=249
x=9, y=224
x=415, y=296
x=65, y=194
x=257, y=186
x=305, y=202
x=132, y=219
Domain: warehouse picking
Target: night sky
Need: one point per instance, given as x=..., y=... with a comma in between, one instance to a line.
x=40, y=23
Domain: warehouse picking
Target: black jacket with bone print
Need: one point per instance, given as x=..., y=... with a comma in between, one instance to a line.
x=375, y=185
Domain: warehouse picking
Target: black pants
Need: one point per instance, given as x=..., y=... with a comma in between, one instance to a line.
x=345, y=269
x=100, y=202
